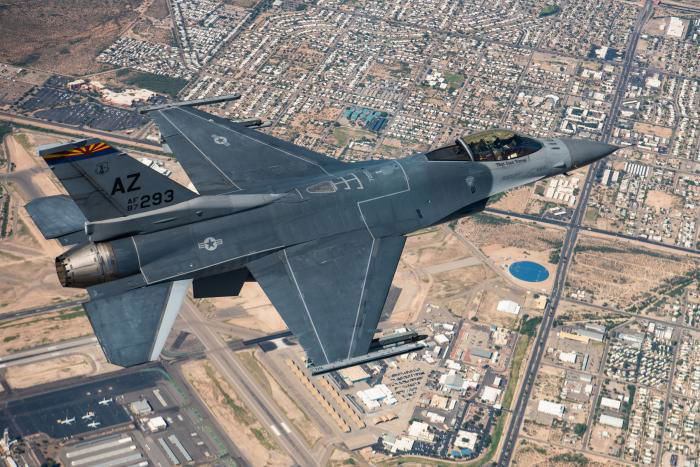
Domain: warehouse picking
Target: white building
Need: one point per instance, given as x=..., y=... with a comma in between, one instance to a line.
x=610, y=403
x=377, y=395
x=508, y=306
x=611, y=421
x=441, y=339
x=402, y=444
x=675, y=27
x=551, y=408
x=419, y=431
x=156, y=424
x=466, y=439
x=490, y=394
x=568, y=357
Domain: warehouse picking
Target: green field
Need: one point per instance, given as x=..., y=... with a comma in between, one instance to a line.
x=156, y=83
x=454, y=78
x=550, y=10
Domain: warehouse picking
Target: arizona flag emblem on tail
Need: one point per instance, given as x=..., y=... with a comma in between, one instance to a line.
x=90, y=148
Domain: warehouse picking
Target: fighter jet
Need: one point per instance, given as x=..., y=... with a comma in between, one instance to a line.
x=105, y=401
x=322, y=237
x=94, y=424
x=66, y=421
x=88, y=416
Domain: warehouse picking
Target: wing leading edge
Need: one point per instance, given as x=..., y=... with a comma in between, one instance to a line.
x=331, y=292
x=222, y=156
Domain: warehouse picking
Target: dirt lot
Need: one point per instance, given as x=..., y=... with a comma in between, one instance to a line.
x=255, y=441
x=622, y=275
x=662, y=200
x=62, y=37
x=515, y=200
x=506, y=241
x=91, y=361
x=660, y=131
x=572, y=313
x=531, y=453
x=54, y=327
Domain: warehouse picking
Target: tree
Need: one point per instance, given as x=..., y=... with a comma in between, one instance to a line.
x=580, y=429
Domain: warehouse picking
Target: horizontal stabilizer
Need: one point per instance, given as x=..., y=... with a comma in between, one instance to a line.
x=58, y=217
x=132, y=327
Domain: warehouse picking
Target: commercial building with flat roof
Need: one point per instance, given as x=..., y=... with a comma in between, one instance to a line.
x=508, y=306
x=551, y=408
x=610, y=403
x=609, y=420
x=478, y=352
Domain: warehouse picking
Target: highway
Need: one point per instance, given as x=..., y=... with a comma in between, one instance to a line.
x=256, y=400
x=545, y=220
x=566, y=253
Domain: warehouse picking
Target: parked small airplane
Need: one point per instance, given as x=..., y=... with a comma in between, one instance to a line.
x=88, y=415
x=65, y=421
x=105, y=401
x=94, y=424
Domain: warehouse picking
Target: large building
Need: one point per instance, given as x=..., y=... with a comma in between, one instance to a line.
x=377, y=395
x=551, y=408
x=609, y=420
x=508, y=306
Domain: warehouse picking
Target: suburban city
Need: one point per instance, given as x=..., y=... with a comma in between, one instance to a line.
x=560, y=323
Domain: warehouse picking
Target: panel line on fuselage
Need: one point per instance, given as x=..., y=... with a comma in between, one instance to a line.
x=203, y=267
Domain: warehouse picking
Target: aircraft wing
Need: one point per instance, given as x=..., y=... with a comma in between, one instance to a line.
x=331, y=292
x=222, y=156
x=132, y=326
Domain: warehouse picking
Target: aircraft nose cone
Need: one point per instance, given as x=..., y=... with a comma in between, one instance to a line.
x=584, y=152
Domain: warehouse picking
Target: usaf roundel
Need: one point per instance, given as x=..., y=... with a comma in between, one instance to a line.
x=210, y=243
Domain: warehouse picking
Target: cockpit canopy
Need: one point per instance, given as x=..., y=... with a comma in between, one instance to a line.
x=489, y=145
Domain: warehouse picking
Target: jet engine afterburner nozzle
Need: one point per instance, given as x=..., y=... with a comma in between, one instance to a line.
x=86, y=265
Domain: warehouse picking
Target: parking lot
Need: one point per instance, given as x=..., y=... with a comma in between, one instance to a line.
x=405, y=383
x=93, y=115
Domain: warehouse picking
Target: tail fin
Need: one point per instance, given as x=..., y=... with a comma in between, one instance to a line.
x=106, y=183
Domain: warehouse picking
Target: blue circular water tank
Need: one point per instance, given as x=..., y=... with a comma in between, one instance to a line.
x=528, y=271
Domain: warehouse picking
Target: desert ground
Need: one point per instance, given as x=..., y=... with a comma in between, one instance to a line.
x=532, y=453
x=620, y=276
x=49, y=328
x=85, y=361
x=62, y=37
x=254, y=440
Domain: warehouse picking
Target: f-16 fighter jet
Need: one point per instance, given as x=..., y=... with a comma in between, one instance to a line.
x=322, y=237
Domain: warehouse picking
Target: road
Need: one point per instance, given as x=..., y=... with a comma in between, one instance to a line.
x=566, y=254
x=45, y=352
x=40, y=310
x=257, y=400
x=545, y=220
x=140, y=144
